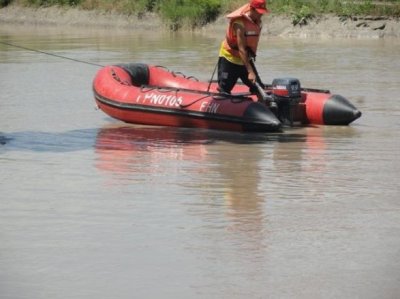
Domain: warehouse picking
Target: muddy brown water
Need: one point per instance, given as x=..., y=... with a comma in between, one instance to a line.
x=94, y=208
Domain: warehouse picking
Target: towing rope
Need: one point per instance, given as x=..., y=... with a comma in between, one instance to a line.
x=51, y=54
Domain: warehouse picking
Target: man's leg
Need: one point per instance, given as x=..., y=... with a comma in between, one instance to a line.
x=227, y=75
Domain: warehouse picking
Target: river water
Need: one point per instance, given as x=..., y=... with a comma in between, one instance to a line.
x=94, y=208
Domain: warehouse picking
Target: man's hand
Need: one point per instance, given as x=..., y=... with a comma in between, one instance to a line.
x=252, y=76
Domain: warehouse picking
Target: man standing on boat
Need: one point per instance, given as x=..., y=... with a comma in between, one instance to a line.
x=239, y=45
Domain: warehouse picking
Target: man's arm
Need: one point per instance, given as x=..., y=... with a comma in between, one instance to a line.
x=239, y=30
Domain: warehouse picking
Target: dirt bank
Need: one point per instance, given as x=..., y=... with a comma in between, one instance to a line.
x=327, y=26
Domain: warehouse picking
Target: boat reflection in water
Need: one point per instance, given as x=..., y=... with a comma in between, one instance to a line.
x=210, y=164
x=119, y=146
x=238, y=167
x=124, y=149
x=240, y=159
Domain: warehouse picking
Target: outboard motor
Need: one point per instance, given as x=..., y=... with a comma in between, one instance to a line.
x=286, y=93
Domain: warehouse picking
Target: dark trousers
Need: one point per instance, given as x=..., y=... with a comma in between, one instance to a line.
x=229, y=73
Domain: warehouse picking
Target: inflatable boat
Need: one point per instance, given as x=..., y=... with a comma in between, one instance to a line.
x=153, y=95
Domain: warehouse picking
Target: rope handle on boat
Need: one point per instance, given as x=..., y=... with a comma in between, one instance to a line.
x=118, y=79
x=194, y=102
x=216, y=97
x=162, y=67
x=176, y=74
x=204, y=95
x=147, y=88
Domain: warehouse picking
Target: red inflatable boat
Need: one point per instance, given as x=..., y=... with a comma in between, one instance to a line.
x=153, y=95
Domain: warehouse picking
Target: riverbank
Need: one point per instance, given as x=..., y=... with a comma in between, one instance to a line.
x=326, y=26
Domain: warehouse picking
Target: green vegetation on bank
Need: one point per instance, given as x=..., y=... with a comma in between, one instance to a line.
x=195, y=13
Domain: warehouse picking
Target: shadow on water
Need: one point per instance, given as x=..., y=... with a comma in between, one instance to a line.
x=115, y=137
x=124, y=136
x=57, y=142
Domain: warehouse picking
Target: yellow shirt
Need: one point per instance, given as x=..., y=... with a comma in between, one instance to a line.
x=228, y=56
